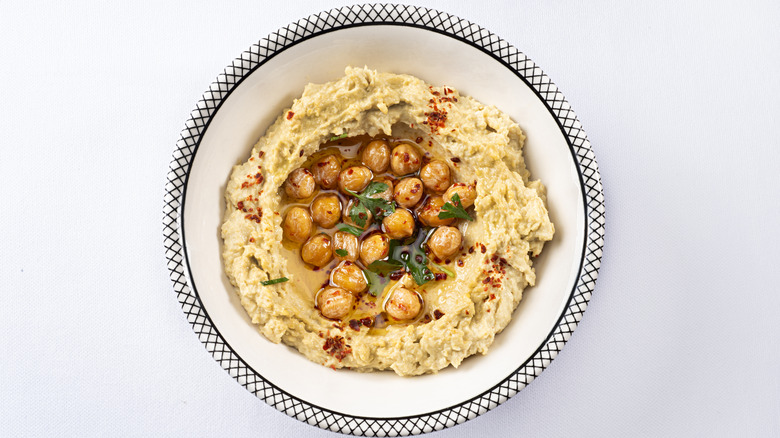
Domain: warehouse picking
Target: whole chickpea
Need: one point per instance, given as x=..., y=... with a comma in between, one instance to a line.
x=403, y=304
x=318, y=250
x=429, y=212
x=445, y=241
x=405, y=159
x=348, y=218
x=408, y=192
x=300, y=184
x=354, y=178
x=436, y=176
x=374, y=248
x=326, y=210
x=297, y=225
x=334, y=302
x=348, y=276
x=466, y=192
x=376, y=156
x=326, y=171
x=348, y=242
x=399, y=224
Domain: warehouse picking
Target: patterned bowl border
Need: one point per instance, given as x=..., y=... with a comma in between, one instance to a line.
x=464, y=31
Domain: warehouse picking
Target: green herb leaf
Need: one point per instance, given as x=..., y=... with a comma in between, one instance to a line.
x=359, y=214
x=443, y=269
x=342, y=252
x=376, y=283
x=385, y=266
x=417, y=264
x=377, y=206
x=274, y=281
x=454, y=211
x=355, y=231
x=338, y=137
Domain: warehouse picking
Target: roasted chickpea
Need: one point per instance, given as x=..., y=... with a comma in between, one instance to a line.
x=297, y=225
x=403, y=304
x=376, y=156
x=436, y=176
x=445, y=241
x=335, y=302
x=374, y=248
x=326, y=171
x=326, y=210
x=399, y=224
x=429, y=212
x=408, y=192
x=467, y=194
x=348, y=219
x=318, y=250
x=387, y=195
x=300, y=184
x=354, y=178
x=350, y=277
x=348, y=242
x=406, y=159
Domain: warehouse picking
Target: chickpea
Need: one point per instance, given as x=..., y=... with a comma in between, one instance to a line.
x=335, y=302
x=318, y=250
x=350, y=277
x=467, y=194
x=326, y=171
x=348, y=242
x=326, y=210
x=408, y=192
x=429, y=212
x=403, y=304
x=376, y=156
x=399, y=224
x=406, y=159
x=445, y=241
x=387, y=195
x=300, y=184
x=297, y=225
x=354, y=178
x=374, y=248
x=348, y=219
x=436, y=176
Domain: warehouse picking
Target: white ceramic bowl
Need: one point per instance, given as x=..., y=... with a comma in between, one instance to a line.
x=442, y=50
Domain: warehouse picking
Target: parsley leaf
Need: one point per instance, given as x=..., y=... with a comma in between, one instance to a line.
x=338, y=137
x=359, y=214
x=385, y=266
x=377, y=206
x=355, y=231
x=376, y=282
x=417, y=264
x=342, y=252
x=274, y=281
x=454, y=211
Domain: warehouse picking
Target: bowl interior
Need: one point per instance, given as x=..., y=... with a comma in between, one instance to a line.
x=438, y=59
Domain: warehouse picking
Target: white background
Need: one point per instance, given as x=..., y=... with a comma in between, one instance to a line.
x=680, y=101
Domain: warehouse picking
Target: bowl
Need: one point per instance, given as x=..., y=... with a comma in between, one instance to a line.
x=443, y=50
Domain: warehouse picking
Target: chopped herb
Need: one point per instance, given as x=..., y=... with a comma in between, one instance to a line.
x=355, y=231
x=274, y=281
x=377, y=206
x=443, y=269
x=385, y=266
x=342, y=252
x=359, y=214
x=417, y=263
x=338, y=137
x=376, y=283
x=454, y=210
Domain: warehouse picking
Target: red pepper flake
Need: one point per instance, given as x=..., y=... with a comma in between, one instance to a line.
x=460, y=263
x=438, y=313
x=260, y=155
x=486, y=280
x=488, y=310
x=251, y=158
x=253, y=217
x=290, y=115
x=337, y=347
x=493, y=258
x=492, y=296
x=471, y=250
x=502, y=261
x=240, y=205
x=482, y=248
x=440, y=276
x=251, y=240
x=396, y=275
x=418, y=139
x=455, y=159
x=300, y=154
x=354, y=324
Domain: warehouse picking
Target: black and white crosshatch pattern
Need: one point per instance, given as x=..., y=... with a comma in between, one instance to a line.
x=402, y=15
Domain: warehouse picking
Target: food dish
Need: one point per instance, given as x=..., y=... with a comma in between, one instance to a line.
x=228, y=120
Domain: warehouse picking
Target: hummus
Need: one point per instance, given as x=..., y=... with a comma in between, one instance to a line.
x=475, y=290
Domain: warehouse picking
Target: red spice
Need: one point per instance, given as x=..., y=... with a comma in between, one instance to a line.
x=251, y=240
x=260, y=155
x=492, y=296
x=354, y=324
x=455, y=159
x=471, y=250
x=254, y=217
x=460, y=263
x=240, y=205
x=337, y=347
x=396, y=275
x=438, y=313
x=486, y=280
x=440, y=276
x=482, y=248
x=493, y=258
x=418, y=139
x=290, y=115
x=300, y=154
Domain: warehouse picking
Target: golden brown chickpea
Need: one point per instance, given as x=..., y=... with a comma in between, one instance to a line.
x=326, y=210
x=374, y=248
x=348, y=242
x=318, y=250
x=348, y=219
x=335, y=302
x=436, y=176
x=408, y=192
x=429, y=212
x=466, y=192
x=387, y=195
x=300, y=184
x=445, y=241
x=348, y=276
x=354, y=178
x=399, y=224
x=297, y=225
x=405, y=159
x=376, y=156
x=403, y=304
x=326, y=171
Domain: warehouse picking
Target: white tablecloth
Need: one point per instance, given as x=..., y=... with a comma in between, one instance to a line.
x=680, y=101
